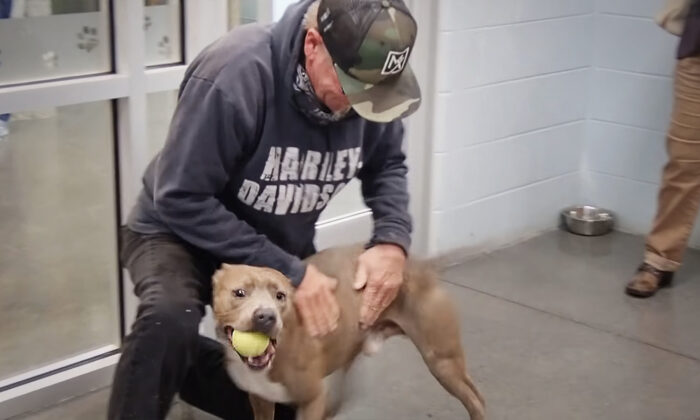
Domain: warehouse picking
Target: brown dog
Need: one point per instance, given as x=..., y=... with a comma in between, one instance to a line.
x=293, y=368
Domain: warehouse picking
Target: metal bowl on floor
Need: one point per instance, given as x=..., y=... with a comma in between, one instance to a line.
x=587, y=220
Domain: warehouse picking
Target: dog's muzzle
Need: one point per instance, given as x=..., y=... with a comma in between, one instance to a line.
x=257, y=362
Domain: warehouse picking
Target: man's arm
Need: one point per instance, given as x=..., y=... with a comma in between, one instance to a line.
x=207, y=138
x=385, y=189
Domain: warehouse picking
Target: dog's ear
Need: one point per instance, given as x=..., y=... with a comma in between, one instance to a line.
x=219, y=274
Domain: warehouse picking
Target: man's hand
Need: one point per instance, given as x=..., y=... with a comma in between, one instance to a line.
x=380, y=273
x=316, y=303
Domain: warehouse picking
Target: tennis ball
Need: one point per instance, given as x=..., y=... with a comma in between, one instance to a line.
x=249, y=344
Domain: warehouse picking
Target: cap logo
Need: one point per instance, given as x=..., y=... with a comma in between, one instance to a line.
x=395, y=61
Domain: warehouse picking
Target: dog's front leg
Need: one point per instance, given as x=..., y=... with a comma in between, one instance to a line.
x=262, y=409
x=314, y=409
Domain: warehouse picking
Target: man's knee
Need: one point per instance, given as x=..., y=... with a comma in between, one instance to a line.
x=175, y=322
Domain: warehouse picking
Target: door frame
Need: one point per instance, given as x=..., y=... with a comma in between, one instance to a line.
x=127, y=88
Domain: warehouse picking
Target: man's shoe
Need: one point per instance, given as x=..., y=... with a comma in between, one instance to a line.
x=647, y=281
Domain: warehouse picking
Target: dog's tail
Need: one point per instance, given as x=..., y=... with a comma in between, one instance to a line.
x=446, y=260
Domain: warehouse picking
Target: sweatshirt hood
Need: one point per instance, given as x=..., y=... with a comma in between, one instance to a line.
x=287, y=40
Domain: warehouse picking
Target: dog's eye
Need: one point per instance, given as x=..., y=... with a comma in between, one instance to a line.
x=281, y=296
x=239, y=293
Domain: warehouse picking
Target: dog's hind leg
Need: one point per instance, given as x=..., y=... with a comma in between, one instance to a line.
x=430, y=321
x=451, y=373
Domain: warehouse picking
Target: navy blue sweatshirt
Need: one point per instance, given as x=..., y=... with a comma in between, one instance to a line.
x=244, y=174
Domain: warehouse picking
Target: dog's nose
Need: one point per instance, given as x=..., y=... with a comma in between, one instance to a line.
x=264, y=320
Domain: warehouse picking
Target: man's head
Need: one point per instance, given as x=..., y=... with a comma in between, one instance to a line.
x=357, y=55
x=319, y=66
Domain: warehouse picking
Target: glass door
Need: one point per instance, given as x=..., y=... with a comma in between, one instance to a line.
x=58, y=267
x=74, y=81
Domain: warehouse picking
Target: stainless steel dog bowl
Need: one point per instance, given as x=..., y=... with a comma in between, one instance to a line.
x=587, y=220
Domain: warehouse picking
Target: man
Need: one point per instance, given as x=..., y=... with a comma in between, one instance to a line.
x=679, y=197
x=271, y=123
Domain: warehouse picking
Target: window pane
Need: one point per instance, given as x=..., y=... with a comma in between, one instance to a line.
x=159, y=112
x=279, y=7
x=241, y=12
x=163, y=32
x=47, y=39
x=58, y=266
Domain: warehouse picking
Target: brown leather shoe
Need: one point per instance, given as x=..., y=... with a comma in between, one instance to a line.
x=647, y=281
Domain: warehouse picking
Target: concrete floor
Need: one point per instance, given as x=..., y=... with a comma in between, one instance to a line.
x=548, y=334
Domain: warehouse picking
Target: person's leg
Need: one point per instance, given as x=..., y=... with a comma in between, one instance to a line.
x=164, y=340
x=5, y=10
x=4, y=124
x=679, y=196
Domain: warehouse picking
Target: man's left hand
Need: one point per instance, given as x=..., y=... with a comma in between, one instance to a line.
x=380, y=273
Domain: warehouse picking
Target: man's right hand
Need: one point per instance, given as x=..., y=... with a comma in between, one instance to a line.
x=316, y=303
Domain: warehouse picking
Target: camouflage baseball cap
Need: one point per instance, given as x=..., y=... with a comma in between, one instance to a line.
x=370, y=42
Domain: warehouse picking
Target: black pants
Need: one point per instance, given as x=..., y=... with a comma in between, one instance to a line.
x=164, y=354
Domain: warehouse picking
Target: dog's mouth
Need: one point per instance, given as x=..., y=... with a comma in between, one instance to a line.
x=257, y=362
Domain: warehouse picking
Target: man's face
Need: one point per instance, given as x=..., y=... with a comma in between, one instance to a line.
x=324, y=79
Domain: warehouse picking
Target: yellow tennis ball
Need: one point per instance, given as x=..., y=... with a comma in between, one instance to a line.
x=249, y=344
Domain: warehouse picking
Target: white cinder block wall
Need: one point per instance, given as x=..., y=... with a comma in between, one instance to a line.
x=545, y=103
x=510, y=118
x=629, y=111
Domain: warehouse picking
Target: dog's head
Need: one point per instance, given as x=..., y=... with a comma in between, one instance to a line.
x=247, y=299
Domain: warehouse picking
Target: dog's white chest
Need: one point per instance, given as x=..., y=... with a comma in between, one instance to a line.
x=258, y=383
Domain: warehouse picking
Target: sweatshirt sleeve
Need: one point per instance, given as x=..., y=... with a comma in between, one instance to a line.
x=385, y=190
x=207, y=137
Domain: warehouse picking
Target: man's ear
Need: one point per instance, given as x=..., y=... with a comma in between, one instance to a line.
x=312, y=42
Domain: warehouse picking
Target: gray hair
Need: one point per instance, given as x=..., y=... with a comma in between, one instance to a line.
x=310, y=20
